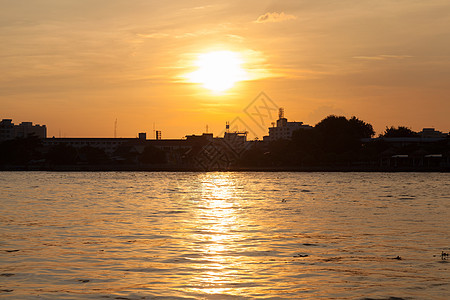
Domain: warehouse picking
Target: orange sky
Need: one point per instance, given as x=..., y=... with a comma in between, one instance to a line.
x=78, y=65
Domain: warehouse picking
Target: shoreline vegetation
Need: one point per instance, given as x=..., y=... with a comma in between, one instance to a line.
x=335, y=144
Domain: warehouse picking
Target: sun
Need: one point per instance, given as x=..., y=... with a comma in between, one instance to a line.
x=218, y=71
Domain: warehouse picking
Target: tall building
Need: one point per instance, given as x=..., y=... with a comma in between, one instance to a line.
x=284, y=129
x=6, y=130
x=9, y=131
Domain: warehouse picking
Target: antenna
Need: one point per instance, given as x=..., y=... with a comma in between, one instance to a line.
x=154, y=132
x=281, y=113
x=206, y=128
x=115, y=128
x=227, y=126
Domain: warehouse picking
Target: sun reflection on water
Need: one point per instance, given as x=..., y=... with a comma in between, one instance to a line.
x=218, y=227
x=223, y=235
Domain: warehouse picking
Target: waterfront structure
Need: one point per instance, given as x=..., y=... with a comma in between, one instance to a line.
x=432, y=133
x=9, y=131
x=283, y=129
x=109, y=145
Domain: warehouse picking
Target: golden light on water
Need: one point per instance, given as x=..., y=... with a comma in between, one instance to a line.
x=223, y=235
x=218, y=71
x=218, y=218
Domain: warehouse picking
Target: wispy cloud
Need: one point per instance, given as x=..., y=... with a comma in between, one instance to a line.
x=273, y=17
x=203, y=7
x=382, y=57
x=193, y=32
x=155, y=35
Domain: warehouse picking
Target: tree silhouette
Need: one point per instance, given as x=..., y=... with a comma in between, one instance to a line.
x=400, y=131
x=337, y=134
x=334, y=139
x=360, y=128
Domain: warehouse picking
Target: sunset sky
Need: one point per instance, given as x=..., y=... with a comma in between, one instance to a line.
x=78, y=65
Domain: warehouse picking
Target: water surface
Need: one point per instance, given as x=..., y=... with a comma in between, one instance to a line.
x=142, y=235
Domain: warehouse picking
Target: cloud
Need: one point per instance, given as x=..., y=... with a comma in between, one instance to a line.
x=382, y=57
x=274, y=17
x=203, y=7
x=156, y=35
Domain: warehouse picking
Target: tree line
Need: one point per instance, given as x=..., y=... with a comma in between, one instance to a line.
x=339, y=141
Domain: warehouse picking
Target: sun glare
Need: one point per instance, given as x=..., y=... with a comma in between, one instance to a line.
x=218, y=71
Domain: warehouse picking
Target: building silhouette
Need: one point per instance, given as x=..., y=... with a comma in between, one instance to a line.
x=283, y=129
x=9, y=131
x=428, y=148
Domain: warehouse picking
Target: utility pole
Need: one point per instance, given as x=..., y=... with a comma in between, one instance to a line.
x=115, y=129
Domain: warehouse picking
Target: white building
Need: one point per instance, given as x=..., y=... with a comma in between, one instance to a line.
x=284, y=129
x=9, y=131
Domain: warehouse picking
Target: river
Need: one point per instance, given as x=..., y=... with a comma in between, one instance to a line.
x=224, y=235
